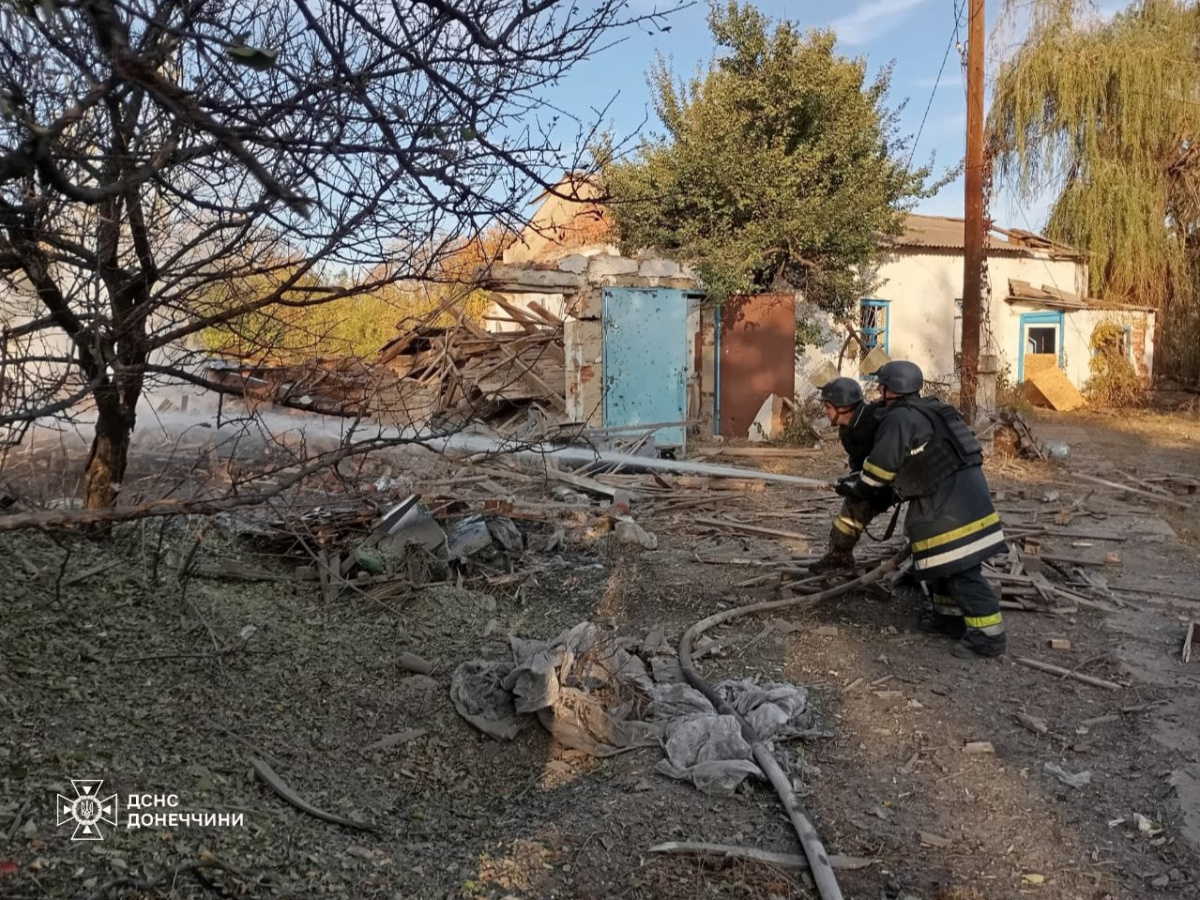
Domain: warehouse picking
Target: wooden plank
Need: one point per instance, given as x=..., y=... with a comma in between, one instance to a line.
x=753, y=529
x=544, y=313
x=1131, y=490
x=1066, y=673
x=586, y=484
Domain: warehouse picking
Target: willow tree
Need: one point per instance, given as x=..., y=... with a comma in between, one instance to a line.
x=1105, y=113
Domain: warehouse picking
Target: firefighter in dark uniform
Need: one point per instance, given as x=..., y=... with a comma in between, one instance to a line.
x=926, y=455
x=856, y=419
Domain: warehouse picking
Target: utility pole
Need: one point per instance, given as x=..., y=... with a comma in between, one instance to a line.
x=973, y=258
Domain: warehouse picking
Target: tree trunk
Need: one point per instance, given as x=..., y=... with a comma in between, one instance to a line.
x=110, y=453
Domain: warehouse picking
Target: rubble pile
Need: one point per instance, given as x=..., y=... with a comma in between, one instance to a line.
x=451, y=375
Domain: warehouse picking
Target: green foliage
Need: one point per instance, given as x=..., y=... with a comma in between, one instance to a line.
x=289, y=318
x=354, y=326
x=809, y=333
x=1106, y=114
x=1114, y=381
x=779, y=169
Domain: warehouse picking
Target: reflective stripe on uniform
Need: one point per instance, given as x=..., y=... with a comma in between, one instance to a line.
x=881, y=474
x=991, y=625
x=957, y=533
x=846, y=525
x=949, y=556
x=946, y=606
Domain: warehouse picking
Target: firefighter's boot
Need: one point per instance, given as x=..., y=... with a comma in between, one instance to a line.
x=933, y=622
x=975, y=644
x=943, y=617
x=838, y=557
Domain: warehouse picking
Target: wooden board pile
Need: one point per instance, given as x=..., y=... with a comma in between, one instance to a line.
x=462, y=372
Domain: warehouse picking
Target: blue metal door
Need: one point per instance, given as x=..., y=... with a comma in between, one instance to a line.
x=645, y=360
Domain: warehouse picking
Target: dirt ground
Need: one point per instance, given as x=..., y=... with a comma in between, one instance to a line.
x=108, y=673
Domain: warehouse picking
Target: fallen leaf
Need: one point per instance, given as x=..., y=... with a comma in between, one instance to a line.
x=1032, y=878
x=9, y=867
x=935, y=840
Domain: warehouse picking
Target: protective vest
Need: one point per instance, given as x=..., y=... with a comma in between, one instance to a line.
x=953, y=447
x=859, y=436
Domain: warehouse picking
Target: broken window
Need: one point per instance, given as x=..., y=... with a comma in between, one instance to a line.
x=1040, y=340
x=873, y=325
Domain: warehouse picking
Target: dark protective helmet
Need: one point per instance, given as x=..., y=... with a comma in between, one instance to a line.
x=901, y=377
x=842, y=392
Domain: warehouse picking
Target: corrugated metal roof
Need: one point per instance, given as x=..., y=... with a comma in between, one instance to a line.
x=947, y=233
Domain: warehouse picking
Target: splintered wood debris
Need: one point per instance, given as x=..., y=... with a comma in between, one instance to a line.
x=467, y=372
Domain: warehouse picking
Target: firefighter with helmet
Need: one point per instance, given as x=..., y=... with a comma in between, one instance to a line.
x=856, y=421
x=924, y=454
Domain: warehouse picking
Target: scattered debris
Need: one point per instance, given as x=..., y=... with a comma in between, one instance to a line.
x=1128, y=489
x=447, y=375
x=1189, y=640
x=546, y=682
x=1078, y=781
x=470, y=536
x=769, y=423
x=410, y=662
x=1032, y=723
x=929, y=839
x=1066, y=673
x=1146, y=825
x=630, y=532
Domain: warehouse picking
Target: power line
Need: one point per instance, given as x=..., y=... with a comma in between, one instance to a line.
x=937, y=81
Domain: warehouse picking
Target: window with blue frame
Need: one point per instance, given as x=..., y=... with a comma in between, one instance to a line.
x=873, y=325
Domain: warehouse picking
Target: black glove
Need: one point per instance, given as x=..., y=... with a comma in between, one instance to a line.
x=849, y=486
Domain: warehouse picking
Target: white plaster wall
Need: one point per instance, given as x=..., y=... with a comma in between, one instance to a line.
x=497, y=320
x=922, y=288
x=815, y=357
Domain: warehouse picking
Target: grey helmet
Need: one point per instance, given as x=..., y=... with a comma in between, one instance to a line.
x=842, y=392
x=901, y=377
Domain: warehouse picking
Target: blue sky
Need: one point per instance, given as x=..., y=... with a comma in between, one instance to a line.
x=911, y=34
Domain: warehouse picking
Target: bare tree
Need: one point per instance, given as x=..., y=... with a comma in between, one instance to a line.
x=153, y=152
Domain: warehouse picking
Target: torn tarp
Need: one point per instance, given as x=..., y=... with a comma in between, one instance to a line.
x=709, y=749
x=593, y=695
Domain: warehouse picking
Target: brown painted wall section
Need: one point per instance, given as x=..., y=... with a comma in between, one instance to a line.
x=758, y=353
